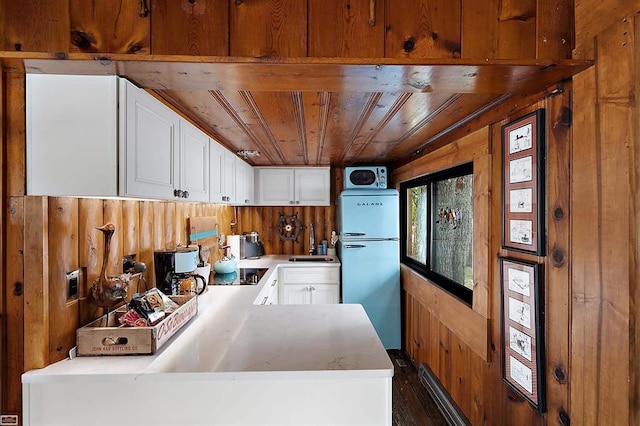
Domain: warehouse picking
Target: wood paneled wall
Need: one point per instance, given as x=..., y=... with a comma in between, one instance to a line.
x=593, y=16
x=506, y=29
x=591, y=273
x=265, y=220
x=2, y=239
x=444, y=333
x=50, y=236
x=604, y=276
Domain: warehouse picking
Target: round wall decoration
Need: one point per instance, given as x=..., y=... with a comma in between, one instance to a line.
x=289, y=227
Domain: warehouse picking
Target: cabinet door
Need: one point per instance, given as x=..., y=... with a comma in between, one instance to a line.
x=242, y=194
x=240, y=182
x=269, y=293
x=307, y=275
x=229, y=176
x=72, y=136
x=249, y=184
x=296, y=294
x=275, y=186
x=194, y=163
x=216, y=171
x=312, y=186
x=222, y=174
x=244, y=183
x=273, y=292
x=150, y=140
x=325, y=294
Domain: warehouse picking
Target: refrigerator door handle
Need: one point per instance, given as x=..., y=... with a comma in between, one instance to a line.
x=348, y=246
x=354, y=234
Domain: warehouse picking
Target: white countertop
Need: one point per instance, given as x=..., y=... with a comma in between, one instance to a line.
x=232, y=339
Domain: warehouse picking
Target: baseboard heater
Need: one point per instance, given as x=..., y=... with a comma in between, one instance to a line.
x=447, y=406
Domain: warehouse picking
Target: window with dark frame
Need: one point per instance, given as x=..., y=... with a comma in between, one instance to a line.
x=437, y=228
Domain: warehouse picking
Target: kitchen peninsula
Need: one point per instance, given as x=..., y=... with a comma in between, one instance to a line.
x=236, y=362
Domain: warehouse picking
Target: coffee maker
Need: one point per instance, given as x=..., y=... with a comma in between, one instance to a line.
x=250, y=246
x=174, y=270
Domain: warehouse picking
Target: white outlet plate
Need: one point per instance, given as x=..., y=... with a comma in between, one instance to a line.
x=73, y=287
x=8, y=419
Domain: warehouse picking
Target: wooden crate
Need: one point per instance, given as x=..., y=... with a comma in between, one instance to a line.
x=104, y=336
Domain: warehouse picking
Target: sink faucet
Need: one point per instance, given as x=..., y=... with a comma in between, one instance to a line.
x=312, y=239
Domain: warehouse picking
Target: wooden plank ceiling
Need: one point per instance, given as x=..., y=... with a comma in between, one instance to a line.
x=327, y=112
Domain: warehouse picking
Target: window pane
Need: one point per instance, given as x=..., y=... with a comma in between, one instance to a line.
x=452, y=228
x=417, y=223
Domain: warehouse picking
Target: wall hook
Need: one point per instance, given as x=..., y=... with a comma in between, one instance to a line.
x=144, y=9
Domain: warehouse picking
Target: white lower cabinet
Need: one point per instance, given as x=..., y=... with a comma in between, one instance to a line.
x=310, y=294
x=269, y=294
x=312, y=285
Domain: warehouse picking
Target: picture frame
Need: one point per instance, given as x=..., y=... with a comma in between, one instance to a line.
x=523, y=173
x=522, y=321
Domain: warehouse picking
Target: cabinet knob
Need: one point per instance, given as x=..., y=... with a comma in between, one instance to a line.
x=297, y=202
x=177, y=193
x=185, y=194
x=264, y=301
x=247, y=201
x=291, y=202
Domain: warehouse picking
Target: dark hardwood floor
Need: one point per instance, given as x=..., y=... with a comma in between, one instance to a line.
x=412, y=404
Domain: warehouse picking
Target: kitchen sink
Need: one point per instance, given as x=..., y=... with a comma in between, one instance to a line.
x=312, y=258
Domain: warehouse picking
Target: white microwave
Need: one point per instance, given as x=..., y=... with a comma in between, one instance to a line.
x=365, y=177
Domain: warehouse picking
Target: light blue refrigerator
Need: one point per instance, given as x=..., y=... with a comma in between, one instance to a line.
x=369, y=251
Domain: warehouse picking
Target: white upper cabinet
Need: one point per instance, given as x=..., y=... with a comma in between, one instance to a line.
x=194, y=163
x=102, y=136
x=301, y=186
x=274, y=186
x=149, y=146
x=312, y=186
x=216, y=153
x=244, y=183
x=231, y=177
x=163, y=156
x=71, y=134
x=222, y=187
